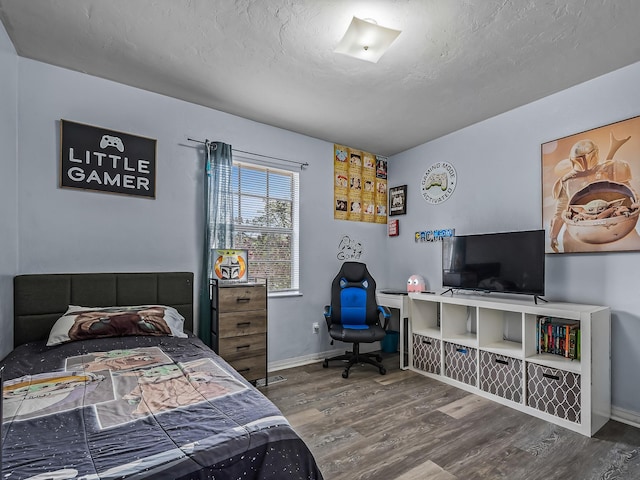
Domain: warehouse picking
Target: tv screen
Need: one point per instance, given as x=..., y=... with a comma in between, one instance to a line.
x=510, y=262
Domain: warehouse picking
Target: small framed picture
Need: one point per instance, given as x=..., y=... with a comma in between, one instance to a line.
x=394, y=228
x=231, y=265
x=398, y=200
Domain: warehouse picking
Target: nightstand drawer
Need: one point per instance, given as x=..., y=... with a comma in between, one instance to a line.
x=242, y=298
x=235, y=324
x=235, y=348
x=252, y=368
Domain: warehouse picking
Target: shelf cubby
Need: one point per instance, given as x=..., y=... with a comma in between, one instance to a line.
x=500, y=332
x=426, y=317
x=459, y=324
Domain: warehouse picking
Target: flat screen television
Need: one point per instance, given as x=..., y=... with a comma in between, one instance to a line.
x=508, y=262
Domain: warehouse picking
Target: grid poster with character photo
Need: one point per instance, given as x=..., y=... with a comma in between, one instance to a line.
x=359, y=185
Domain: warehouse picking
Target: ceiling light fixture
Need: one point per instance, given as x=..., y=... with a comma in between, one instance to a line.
x=366, y=40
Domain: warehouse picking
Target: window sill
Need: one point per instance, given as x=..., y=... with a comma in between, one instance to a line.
x=296, y=293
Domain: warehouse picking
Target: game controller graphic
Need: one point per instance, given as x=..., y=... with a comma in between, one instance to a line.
x=437, y=180
x=111, y=141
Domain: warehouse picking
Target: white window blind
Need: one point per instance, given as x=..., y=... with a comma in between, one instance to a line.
x=266, y=222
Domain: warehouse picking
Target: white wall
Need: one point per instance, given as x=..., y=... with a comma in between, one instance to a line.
x=8, y=206
x=68, y=230
x=499, y=189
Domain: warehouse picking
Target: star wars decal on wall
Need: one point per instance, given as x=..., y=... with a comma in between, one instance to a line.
x=589, y=190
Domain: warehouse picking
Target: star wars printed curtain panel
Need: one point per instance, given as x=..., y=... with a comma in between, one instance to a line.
x=360, y=185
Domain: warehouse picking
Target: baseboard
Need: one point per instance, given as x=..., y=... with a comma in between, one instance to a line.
x=317, y=357
x=625, y=416
x=304, y=360
x=299, y=361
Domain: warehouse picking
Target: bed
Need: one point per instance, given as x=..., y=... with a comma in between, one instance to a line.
x=147, y=404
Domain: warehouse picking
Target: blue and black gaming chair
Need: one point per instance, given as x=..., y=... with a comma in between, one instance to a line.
x=354, y=315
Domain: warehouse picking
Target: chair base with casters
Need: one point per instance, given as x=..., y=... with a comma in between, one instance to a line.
x=356, y=357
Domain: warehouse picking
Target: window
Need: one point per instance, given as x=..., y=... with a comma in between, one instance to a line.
x=265, y=202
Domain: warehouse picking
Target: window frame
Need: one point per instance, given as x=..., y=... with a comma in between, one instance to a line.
x=237, y=193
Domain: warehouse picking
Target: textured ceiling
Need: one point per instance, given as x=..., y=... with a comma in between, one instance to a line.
x=455, y=63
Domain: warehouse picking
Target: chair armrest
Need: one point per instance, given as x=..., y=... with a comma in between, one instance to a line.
x=327, y=315
x=386, y=313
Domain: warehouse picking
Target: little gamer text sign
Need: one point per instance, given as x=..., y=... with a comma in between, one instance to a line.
x=93, y=158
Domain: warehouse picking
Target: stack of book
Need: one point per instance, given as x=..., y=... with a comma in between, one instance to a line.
x=559, y=337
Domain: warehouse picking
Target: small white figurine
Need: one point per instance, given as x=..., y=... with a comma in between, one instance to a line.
x=416, y=283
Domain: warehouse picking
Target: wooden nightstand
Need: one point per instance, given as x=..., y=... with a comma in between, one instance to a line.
x=239, y=327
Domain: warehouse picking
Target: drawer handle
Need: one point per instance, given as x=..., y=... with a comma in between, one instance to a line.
x=427, y=342
x=503, y=362
x=552, y=377
x=243, y=324
x=461, y=350
x=242, y=370
x=243, y=299
x=242, y=347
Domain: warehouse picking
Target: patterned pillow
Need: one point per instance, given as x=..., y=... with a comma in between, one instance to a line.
x=80, y=323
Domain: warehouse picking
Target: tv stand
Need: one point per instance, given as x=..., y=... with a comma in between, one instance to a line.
x=490, y=347
x=538, y=297
x=479, y=291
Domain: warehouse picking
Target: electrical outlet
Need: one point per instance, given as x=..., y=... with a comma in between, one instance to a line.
x=316, y=327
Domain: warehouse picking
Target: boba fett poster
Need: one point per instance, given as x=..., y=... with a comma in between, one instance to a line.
x=590, y=182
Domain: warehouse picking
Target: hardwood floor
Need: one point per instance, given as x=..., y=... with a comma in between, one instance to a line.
x=404, y=426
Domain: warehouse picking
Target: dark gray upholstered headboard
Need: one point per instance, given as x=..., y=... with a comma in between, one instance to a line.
x=40, y=299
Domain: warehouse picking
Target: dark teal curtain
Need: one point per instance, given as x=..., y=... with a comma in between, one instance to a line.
x=218, y=222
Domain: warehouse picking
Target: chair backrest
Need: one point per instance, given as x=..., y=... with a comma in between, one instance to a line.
x=353, y=296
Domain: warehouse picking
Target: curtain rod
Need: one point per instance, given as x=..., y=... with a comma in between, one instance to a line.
x=302, y=164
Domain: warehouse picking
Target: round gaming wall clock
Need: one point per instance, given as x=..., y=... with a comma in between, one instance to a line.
x=438, y=182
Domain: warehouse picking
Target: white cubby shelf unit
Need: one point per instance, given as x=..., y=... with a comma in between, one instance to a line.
x=488, y=345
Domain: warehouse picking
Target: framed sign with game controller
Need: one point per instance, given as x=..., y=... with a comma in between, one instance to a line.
x=94, y=158
x=438, y=182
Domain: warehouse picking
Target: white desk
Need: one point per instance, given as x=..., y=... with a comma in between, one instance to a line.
x=401, y=303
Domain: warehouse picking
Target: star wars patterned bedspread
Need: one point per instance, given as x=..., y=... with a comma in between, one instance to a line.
x=141, y=407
